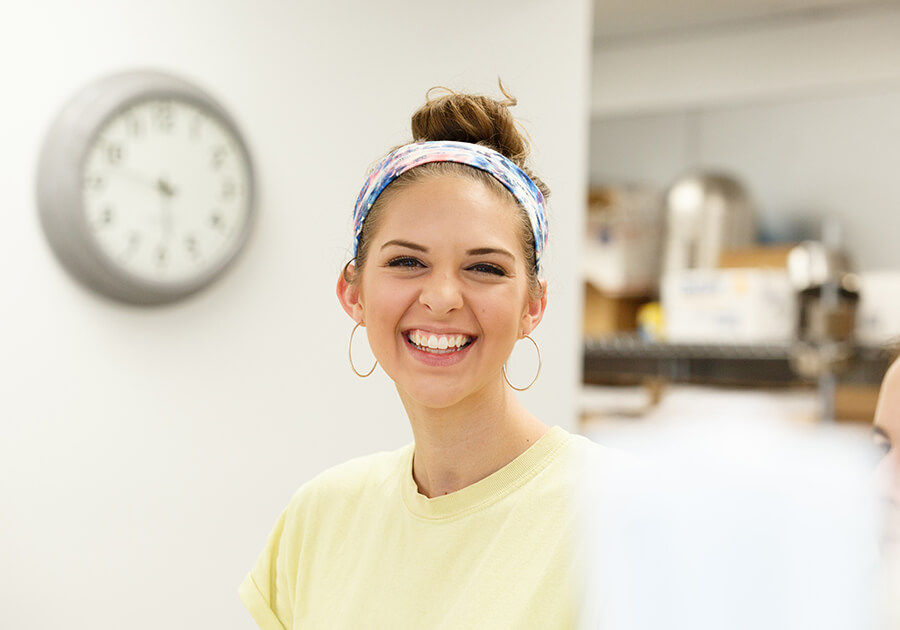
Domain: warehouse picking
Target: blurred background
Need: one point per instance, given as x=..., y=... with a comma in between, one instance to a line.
x=721, y=225
x=740, y=209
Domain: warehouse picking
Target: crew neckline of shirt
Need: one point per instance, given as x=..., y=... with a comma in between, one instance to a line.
x=489, y=490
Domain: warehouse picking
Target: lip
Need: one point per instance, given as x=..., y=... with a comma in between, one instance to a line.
x=437, y=360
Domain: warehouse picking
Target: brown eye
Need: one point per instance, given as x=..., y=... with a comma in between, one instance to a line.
x=405, y=261
x=487, y=268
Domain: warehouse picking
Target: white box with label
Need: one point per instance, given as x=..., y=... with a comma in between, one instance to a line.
x=623, y=240
x=878, y=313
x=729, y=306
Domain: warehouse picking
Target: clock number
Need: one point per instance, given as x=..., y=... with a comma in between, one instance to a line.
x=190, y=243
x=216, y=220
x=114, y=154
x=133, y=126
x=106, y=217
x=218, y=157
x=228, y=189
x=134, y=239
x=164, y=115
x=94, y=183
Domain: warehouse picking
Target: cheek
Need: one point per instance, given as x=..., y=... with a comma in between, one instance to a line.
x=385, y=302
x=503, y=314
x=894, y=481
x=887, y=476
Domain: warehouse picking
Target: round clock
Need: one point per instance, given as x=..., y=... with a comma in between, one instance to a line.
x=145, y=187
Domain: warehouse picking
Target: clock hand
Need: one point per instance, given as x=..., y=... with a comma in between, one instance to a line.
x=164, y=187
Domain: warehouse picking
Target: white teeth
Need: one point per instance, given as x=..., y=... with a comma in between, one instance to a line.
x=442, y=344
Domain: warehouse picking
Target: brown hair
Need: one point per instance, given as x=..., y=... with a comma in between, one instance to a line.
x=464, y=118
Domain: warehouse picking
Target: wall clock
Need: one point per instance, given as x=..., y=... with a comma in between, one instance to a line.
x=145, y=187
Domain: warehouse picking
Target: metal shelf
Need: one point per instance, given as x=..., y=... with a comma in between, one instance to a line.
x=626, y=358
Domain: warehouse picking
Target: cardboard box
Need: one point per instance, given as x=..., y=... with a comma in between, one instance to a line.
x=758, y=257
x=855, y=403
x=623, y=239
x=606, y=315
x=728, y=306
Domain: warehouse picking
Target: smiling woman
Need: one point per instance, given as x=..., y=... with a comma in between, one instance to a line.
x=456, y=270
x=474, y=524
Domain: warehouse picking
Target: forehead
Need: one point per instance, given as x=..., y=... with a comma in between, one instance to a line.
x=450, y=207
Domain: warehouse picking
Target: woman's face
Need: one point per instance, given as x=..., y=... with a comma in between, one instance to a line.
x=444, y=293
x=887, y=436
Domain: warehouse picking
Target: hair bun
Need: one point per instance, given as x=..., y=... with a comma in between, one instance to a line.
x=471, y=118
x=475, y=119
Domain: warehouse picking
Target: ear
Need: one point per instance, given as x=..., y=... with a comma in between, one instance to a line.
x=348, y=295
x=534, y=311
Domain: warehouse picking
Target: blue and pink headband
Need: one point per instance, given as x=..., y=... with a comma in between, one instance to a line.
x=496, y=164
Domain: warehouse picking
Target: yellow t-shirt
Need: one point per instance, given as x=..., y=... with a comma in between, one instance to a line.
x=358, y=548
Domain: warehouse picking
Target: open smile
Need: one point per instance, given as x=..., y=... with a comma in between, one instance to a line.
x=438, y=343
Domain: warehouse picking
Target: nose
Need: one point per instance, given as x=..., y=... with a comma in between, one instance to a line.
x=441, y=293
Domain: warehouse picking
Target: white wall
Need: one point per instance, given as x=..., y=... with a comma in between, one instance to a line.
x=145, y=453
x=802, y=161
x=784, y=55
x=805, y=112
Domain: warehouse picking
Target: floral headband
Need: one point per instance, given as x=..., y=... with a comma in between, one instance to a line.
x=496, y=164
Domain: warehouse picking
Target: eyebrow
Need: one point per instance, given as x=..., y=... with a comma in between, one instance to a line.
x=407, y=244
x=881, y=432
x=480, y=251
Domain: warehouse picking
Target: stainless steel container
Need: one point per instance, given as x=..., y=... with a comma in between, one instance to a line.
x=706, y=212
x=828, y=294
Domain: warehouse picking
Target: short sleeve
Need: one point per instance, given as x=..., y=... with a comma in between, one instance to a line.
x=266, y=589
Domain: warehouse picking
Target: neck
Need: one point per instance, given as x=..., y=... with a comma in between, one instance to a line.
x=460, y=445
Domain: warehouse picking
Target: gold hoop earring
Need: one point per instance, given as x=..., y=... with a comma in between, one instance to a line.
x=534, y=380
x=350, y=355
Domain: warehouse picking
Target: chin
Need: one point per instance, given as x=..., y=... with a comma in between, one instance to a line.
x=435, y=400
x=437, y=395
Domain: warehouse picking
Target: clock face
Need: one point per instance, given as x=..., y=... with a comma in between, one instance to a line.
x=166, y=191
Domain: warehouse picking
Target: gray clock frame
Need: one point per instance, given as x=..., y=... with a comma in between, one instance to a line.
x=60, y=178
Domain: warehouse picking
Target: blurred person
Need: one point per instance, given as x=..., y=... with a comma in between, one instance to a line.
x=473, y=525
x=886, y=434
x=742, y=521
